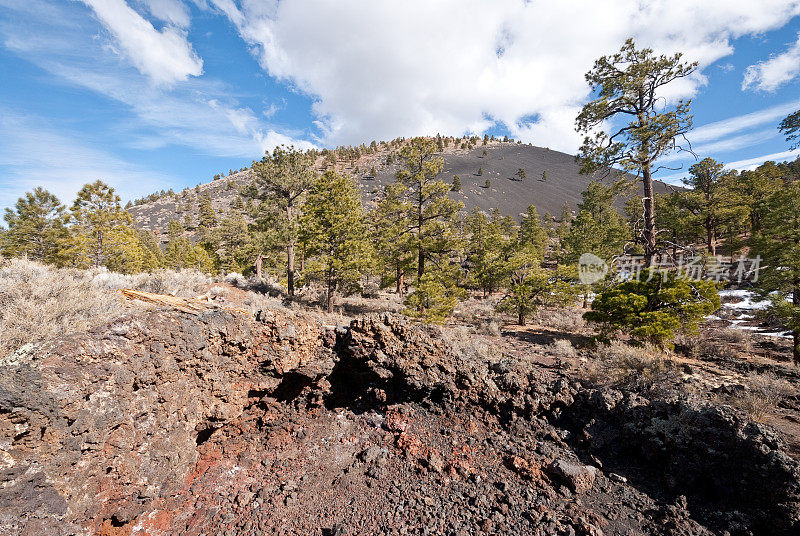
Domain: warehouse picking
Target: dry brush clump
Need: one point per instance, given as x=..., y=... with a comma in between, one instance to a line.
x=762, y=393
x=640, y=368
x=468, y=342
x=38, y=302
x=563, y=319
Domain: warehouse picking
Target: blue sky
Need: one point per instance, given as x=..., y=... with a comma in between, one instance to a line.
x=152, y=94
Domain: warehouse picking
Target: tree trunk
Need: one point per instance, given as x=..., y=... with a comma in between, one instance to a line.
x=649, y=216
x=711, y=240
x=258, y=265
x=401, y=279
x=421, y=251
x=329, y=297
x=520, y=316
x=796, y=332
x=290, y=252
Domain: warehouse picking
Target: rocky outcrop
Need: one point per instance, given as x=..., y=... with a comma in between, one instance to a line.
x=95, y=427
x=732, y=473
x=170, y=423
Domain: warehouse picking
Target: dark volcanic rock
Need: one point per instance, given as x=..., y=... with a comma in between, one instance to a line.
x=97, y=426
x=168, y=423
x=735, y=473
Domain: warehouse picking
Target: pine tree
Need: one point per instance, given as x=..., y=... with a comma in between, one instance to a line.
x=282, y=179
x=394, y=244
x=96, y=212
x=181, y=253
x=456, y=184
x=520, y=174
x=532, y=233
x=335, y=230
x=712, y=200
x=487, y=184
x=480, y=171
x=530, y=285
x=655, y=306
x=36, y=227
x=430, y=212
x=778, y=244
x=235, y=242
x=598, y=228
x=629, y=84
x=790, y=127
x=206, y=218
x=544, y=176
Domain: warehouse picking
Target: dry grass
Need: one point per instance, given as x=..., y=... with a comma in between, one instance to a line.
x=562, y=349
x=467, y=342
x=640, y=368
x=761, y=395
x=39, y=302
x=565, y=320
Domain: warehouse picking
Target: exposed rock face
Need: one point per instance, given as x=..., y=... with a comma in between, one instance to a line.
x=97, y=426
x=735, y=473
x=168, y=423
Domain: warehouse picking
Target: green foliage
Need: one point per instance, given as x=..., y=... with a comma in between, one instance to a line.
x=36, y=227
x=531, y=231
x=790, y=127
x=628, y=84
x=393, y=242
x=598, y=228
x=128, y=253
x=778, y=244
x=235, y=243
x=485, y=253
x=712, y=201
x=181, y=253
x=281, y=180
x=487, y=184
x=530, y=285
x=654, y=307
x=480, y=171
x=456, y=184
x=335, y=231
x=96, y=212
x=207, y=218
x=434, y=297
x=521, y=174
x=425, y=209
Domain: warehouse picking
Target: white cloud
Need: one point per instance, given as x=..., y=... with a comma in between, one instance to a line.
x=165, y=56
x=752, y=163
x=719, y=129
x=770, y=74
x=199, y=113
x=33, y=154
x=170, y=11
x=382, y=69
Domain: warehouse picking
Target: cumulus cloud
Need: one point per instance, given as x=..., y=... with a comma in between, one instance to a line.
x=199, y=113
x=165, y=56
x=382, y=69
x=769, y=75
x=173, y=12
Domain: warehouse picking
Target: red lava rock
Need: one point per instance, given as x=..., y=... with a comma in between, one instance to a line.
x=531, y=470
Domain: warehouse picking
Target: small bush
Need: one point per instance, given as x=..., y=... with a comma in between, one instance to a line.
x=562, y=349
x=762, y=394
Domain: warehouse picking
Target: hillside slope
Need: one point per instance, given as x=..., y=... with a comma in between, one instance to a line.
x=502, y=160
